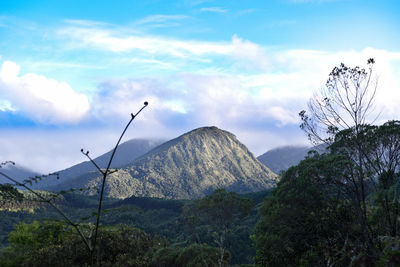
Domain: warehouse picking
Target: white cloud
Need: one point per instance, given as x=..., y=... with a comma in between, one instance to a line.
x=42, y=99
x=62, y=65
x=222, y=100
x=250, y=55
x=282, y=114
x=187, y=101
x=5, y=105
x=275, y=96
x=110, y=40
x=239, y=53
x=115, y=40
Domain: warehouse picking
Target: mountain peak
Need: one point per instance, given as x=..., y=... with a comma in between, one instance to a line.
x=189, y=166
x=207, y=130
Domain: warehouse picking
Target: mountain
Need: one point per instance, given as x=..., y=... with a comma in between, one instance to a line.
x=186, y=167
x=127, y=152
x=282, y=158
x=16, y=172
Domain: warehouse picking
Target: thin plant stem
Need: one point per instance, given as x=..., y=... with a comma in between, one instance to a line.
x=90, y=243
x=107, y=172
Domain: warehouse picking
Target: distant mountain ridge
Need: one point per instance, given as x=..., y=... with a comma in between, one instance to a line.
x=16, y=172
x=282, y=158
x=187, y=167
x=127, y=152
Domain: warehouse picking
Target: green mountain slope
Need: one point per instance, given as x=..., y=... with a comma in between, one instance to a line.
x=186, y=167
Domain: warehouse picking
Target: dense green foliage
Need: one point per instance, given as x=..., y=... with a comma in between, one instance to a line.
x=54, y=244
x=340, y=208
x=192, y=255
x=7, y=193
x=159, y=217
x=220, y=219
x=305, y=221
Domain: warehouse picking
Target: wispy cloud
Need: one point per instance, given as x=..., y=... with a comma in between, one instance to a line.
x=159, y=63
x=161, y=19
x=86, y=23
x=242, y=52
x=246, y=11
x=108, y=39
x=63, y=65
x=214, y=9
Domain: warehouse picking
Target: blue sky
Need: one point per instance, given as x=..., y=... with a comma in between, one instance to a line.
x=72, y=71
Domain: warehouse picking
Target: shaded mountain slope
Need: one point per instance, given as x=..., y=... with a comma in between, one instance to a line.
x=282, y=158
x=16, y=172
x=186, y=167
x=127, y=152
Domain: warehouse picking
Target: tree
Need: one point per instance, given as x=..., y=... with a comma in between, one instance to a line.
x=343, y=107
x=307, y=221
x=384, y=162
x=9, y=193
x=380, y=148
x=194, y=255
x=216, y=214
x=345, y=101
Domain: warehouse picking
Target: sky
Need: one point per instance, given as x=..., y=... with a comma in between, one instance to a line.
x=72, y=72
